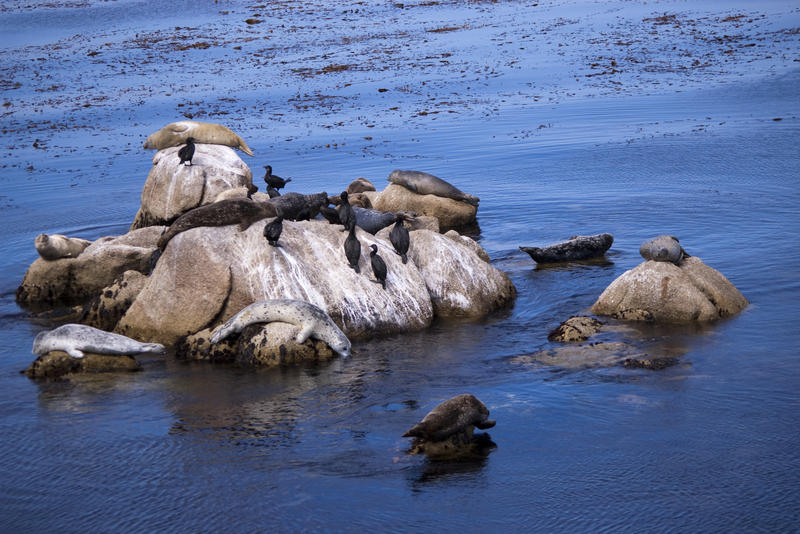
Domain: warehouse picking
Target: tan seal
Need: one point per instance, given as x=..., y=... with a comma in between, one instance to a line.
x=56, y=246
x=176, y=133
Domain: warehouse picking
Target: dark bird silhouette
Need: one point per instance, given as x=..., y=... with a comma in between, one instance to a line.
x=186, y=153
x=378, y=266
x=352, y=249
x=250, y=190
x=272, y=192
x=400, y=238
x=346, y=214
x=275, y=181
x=273, y=229
x=330, y=214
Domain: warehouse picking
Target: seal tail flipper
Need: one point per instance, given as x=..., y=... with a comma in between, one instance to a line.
x=155, y=348
x=75, y=353
x=244, y=148
x=304, y=334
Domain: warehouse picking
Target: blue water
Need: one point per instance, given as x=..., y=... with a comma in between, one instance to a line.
x=709, y=445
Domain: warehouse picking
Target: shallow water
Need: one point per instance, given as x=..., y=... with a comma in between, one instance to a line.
x=708, y=445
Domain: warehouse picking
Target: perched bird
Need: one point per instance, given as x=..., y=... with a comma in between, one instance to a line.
x=250, y=190
x=400, y=238
x=186, y=153
x=378, y=266
x=346, y=214
x=330, y=214
x=275, y=181
x=272, y=192
x=273, y=229
x=352, y=249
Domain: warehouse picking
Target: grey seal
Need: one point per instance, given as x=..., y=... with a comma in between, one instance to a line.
x=312, y=321
x=576, y=248
x=299, y=207
x=372, y=221
x=75, y=339
x=423, y=183
x=56, y=246
x=176, y=133
x=454, y=416
x=663, y=248
x=222, y=213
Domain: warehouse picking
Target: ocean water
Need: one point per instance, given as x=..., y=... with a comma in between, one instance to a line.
x=708, y=445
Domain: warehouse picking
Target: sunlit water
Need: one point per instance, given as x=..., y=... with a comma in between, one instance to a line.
x=708, y=445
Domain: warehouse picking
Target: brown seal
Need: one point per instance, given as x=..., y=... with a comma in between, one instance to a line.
x=176, y=133
x=239, y=211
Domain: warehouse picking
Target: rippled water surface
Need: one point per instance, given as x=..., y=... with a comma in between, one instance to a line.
x=708, y=445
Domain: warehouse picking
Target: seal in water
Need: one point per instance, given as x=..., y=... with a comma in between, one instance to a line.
x=399, y=237
x=186, y=153
x=75, y=339
x=176, y=133
x=663, y=248
x=352, y=249
x=229, y=211
x=447, y=431
x=312, y=321
x=273, y=229
x=346, y=214
x=378, y=266
x=576, y=248
x=372, y=221
x=56, y=246
x=423, y=183
x=276, y=182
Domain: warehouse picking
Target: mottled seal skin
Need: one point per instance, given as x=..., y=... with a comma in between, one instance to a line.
x=312, y=321
x=663, y=248
x=423, y=183
x=576, y=248
x=299, y=207
x=454, y=416
x=176, y=133
x=372, y=220
x=239, y=211
x=56, y=246
x=75, y=339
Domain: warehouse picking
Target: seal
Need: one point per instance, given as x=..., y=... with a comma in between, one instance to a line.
x=312, y=321
x=56, y=246
x=663, y=248
x=176, y=133
x=400, y=238
x=423, y=183
x=372, y=220
x=229, y=211
x=299, y=207
x=378, y=266
x=75, y=339
x=454, y=416
x=576, y=248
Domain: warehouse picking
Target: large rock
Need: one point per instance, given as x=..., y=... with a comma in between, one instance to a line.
x=107, y=308
x=75, y=280
x=664, y=292
x=450, y=213
x=460, y=282
x=57, y=364
x=172, y=189
x=208, y=274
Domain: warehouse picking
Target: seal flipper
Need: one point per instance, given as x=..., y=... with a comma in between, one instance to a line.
x=75, y=353
x=304, y=333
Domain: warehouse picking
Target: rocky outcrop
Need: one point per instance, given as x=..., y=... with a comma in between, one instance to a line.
x=172, y=189
x=575, y=329
x=450, y=213
x=107, y=308
x=664, y=292
x=57, y=364
x=71, y=281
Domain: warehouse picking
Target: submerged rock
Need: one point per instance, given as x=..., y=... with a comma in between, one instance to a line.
x=664, y=292
x=172, y=189
x=575, y=329
x=57, y=364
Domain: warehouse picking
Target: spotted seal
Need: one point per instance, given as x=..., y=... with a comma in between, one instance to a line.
x=456, y=415
x=312, y=321
x=56, y=246
x=576, y=248
x=665, y=248
x=299, y=207
x=239, y=211
x=176, y=133
x=75, y=339
x=372, y=220
x=423, y=183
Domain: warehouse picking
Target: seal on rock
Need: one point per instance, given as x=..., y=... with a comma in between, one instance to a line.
x=423, y=183
x=75, y=339
x=576, y=248
x=230, y=211
x=453, y=416
x=299, y=207
x=176, y=133
x=312, y=321
x=56, y=246
x=372, y=221
x=663, y=248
